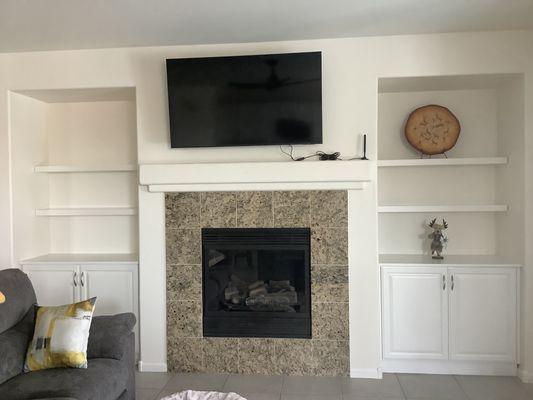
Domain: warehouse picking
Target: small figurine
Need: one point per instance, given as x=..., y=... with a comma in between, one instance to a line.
x=438, y=239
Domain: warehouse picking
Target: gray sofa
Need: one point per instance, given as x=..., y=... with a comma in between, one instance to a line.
x=111, y=353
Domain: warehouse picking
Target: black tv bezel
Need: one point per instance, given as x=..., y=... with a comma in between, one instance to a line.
x=172, y=140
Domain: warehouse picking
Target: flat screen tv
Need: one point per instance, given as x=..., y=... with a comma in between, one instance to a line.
x=255, y=100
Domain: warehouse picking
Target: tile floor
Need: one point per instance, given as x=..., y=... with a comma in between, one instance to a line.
x=155, y=385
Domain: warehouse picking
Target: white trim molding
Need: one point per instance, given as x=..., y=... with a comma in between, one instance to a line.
x=304, y=175
x=151, y=367
x=525, y=376
x=449, y=367
x=370, y=373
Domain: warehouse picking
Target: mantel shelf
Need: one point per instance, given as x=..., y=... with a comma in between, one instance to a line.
x=427, y=162
x=442, y=208
x=84, y=168
x=276, y=175
x=85, y=211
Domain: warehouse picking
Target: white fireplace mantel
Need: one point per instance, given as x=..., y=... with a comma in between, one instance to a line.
x=303, y=175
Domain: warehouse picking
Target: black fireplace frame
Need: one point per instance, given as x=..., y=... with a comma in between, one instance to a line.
x=258, y=324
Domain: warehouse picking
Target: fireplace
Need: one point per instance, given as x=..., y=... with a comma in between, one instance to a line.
x=256, y=282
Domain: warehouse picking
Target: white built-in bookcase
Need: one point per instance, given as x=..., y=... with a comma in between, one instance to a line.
x=479, y=189
x=74, y=171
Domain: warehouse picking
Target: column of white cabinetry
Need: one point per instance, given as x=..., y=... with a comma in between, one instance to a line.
x=449, y=319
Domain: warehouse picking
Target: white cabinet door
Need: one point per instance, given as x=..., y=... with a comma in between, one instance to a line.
x=115, y=285
x=54, y=285
x=415, y=312
x=483, y=308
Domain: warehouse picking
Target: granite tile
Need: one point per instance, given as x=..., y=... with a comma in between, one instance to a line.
x=219, y=210
x=332, y=357
x=319, y=247
x=258, y=356
x=329, y=208
x=291, y=209
x=182, y=210
x=185, y=355
x=330, y=321
x=184, y=282
x=329, y=284
x=254, y=210
x=295, y=356
x=221, y=355
x=184, y=319
x=327, y=293
x=337, y=243
x=184, y=246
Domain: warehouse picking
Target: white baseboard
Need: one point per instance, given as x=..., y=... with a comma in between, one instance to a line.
x=525, y=376
x=152, y=367
x=449, y=367
x=366, y=373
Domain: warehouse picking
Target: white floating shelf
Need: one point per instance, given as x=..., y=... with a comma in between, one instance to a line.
x=427, y=162
x=441, y=209
x=467, y=260
x=80, y=168
x=86, y=211
x=69, y=258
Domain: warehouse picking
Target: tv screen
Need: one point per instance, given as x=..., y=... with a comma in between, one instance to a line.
x=269, y=99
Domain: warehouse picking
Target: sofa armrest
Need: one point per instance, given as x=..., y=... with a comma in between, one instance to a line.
x=107, y=337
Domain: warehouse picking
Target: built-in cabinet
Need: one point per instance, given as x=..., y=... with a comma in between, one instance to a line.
x=114, y=283
x=464, y=318
x=415, y=313
x=460, y=314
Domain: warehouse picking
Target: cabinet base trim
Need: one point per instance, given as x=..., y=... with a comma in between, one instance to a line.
x=368, y=373
x=152, y=367
x=449, y=367
x=525, y=376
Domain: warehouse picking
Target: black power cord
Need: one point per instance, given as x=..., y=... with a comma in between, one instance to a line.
x=322, y=156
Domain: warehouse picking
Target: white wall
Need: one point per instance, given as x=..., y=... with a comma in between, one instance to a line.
x=351, y=69
x=30, y=190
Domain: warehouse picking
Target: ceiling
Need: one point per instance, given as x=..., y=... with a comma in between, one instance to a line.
x=28, y=25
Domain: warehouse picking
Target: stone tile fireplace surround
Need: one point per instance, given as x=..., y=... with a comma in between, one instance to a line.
x=325, y=212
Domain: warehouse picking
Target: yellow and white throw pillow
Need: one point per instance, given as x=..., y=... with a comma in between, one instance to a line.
x=60, y=337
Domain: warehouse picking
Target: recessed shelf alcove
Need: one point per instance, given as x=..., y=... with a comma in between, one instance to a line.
x=74, y=171
x=476, y=188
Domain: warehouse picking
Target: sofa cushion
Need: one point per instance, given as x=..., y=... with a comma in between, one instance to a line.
x=104, y=379
x=13, y=346
x=106, y=338
x=19, y=297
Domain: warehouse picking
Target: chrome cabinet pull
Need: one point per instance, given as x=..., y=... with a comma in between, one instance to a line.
x=453, y=283
x=443, y=282
x=75, y=279
x=83, y=279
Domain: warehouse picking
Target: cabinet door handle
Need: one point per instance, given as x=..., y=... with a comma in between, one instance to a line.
x=443, y=282
x=83, y=279
x=453, y=283
x=75, y=279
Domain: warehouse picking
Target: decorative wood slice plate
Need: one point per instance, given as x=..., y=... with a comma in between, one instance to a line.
x=432, y=129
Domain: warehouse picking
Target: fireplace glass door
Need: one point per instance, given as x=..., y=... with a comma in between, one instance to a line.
x=256, y=282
